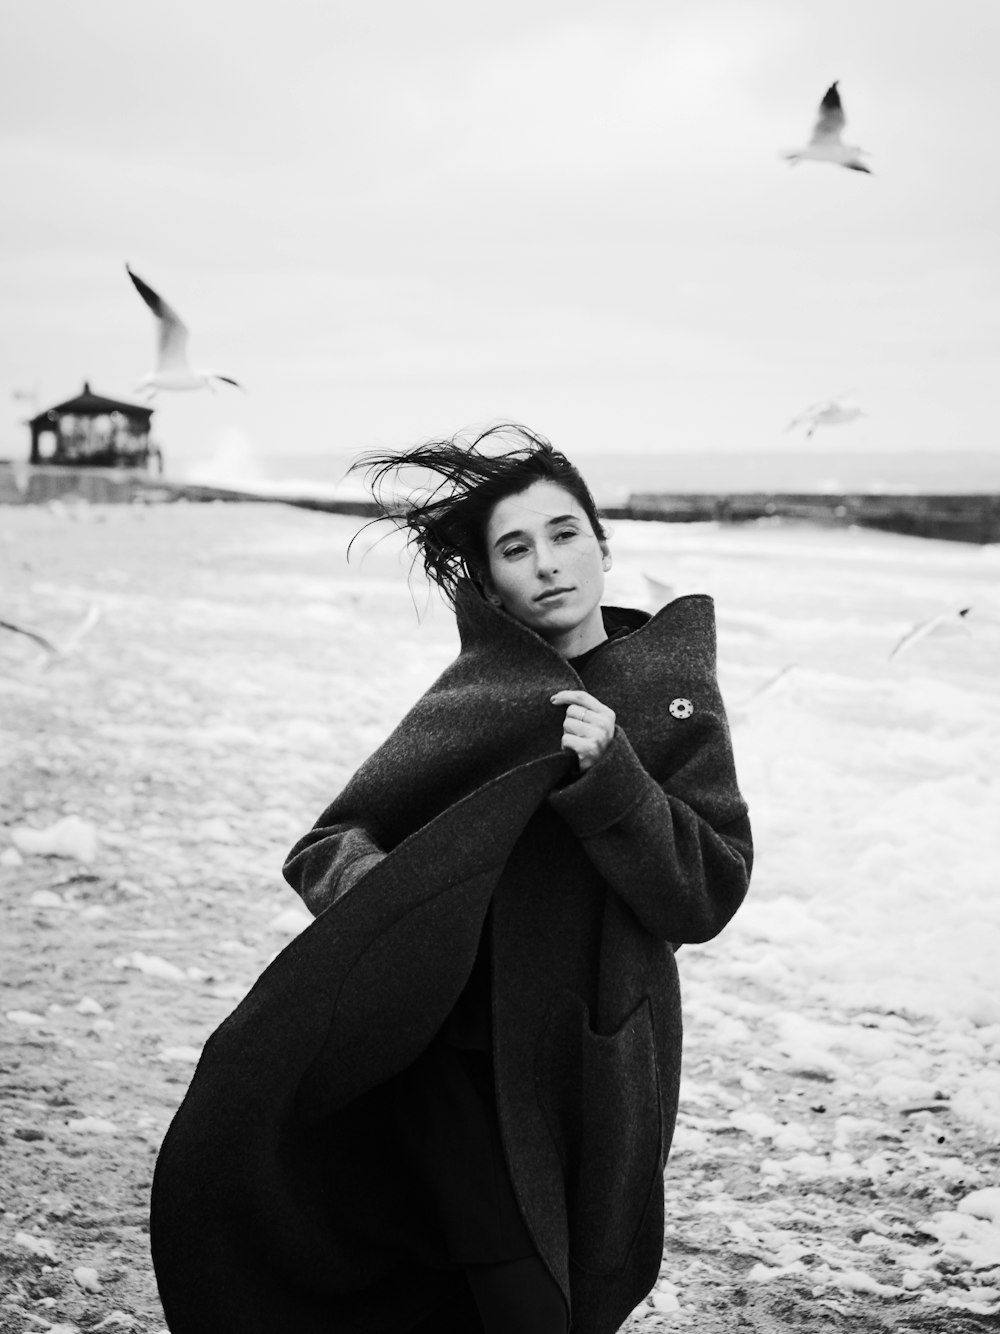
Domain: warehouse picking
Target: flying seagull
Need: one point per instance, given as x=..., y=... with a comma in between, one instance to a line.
x=769, y=687
x=40, y=640
x=173, y=371
x=947, y=621
x=831, y=413
x=825, y=145
x=660, y=592
x=742, y=713
x=57, y=648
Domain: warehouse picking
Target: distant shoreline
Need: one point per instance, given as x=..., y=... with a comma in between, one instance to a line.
x=953, y=516
x=615, y=476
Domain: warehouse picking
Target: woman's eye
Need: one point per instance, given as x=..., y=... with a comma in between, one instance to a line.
x=515, y=551
x=566, y=532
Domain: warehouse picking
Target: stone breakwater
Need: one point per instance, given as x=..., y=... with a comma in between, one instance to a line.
x=961, y=517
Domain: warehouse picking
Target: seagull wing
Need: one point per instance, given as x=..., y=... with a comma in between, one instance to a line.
x=810, y=415
x=768, y=687
x=838, y=413
x=913, y=636
x=828, y=416
x=660, y=591
x=925, y=628
x=93, y=615
x=173, y=333
x=44, y=643
x=831, y=118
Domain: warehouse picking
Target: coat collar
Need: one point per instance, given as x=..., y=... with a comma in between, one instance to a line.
x=687, y=624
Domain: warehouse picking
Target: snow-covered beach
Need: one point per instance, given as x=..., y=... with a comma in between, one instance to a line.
x=836, y=1164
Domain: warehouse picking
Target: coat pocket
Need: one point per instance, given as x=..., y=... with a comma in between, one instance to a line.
x=601, y=1099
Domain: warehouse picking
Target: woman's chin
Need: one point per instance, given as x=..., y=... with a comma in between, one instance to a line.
x=567, y=627
x=553, y=619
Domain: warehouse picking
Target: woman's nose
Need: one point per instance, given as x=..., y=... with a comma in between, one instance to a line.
x=546, y=562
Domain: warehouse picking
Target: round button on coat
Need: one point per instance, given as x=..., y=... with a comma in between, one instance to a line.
x=681, y=708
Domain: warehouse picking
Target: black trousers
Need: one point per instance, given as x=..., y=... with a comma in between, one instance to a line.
x=446, y=1122
x=514, y=1297
x=517, y=1297
x=449, y=1134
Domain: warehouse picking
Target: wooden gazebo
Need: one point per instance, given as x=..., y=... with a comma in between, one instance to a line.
x=95, y=432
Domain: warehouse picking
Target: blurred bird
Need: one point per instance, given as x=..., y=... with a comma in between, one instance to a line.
x=64, y=646
x=173, y=371
x=947, y=622
x=831, y=413
x=33, y=635
x=741, y=713
x=769, y=687
x=825, y=144
x=660, y=592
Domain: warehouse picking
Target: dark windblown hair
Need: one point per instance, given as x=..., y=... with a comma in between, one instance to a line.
x=446, y=522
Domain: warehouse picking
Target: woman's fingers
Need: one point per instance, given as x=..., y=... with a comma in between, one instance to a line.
x=579, y=704
x=587, y=750
x=588, y=726
x=584, y=727
x=580, y=699
x=582, y=745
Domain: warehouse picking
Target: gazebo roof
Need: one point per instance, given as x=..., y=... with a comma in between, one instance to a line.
x=89, y=404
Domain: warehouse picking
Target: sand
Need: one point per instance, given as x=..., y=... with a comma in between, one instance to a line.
x=837, y=1146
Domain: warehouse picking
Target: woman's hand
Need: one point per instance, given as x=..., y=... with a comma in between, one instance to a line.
x=588, y=727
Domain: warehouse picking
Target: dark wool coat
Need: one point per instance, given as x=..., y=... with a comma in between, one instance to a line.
x=280, y=1201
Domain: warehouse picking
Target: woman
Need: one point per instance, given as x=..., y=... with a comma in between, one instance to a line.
x=447, y=1105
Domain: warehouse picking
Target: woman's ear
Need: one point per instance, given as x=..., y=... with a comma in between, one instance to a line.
x=490, y=594
x=606, y=556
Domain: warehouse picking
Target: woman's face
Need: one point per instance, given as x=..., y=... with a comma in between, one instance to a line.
x=546, y=566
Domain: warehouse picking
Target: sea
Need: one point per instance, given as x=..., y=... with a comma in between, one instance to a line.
x=613, y=477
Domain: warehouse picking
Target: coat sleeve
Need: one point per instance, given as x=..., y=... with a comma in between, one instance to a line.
x=329, y=861
x=678, y=853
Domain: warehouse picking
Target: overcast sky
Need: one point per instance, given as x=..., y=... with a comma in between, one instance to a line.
x=400, y=219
